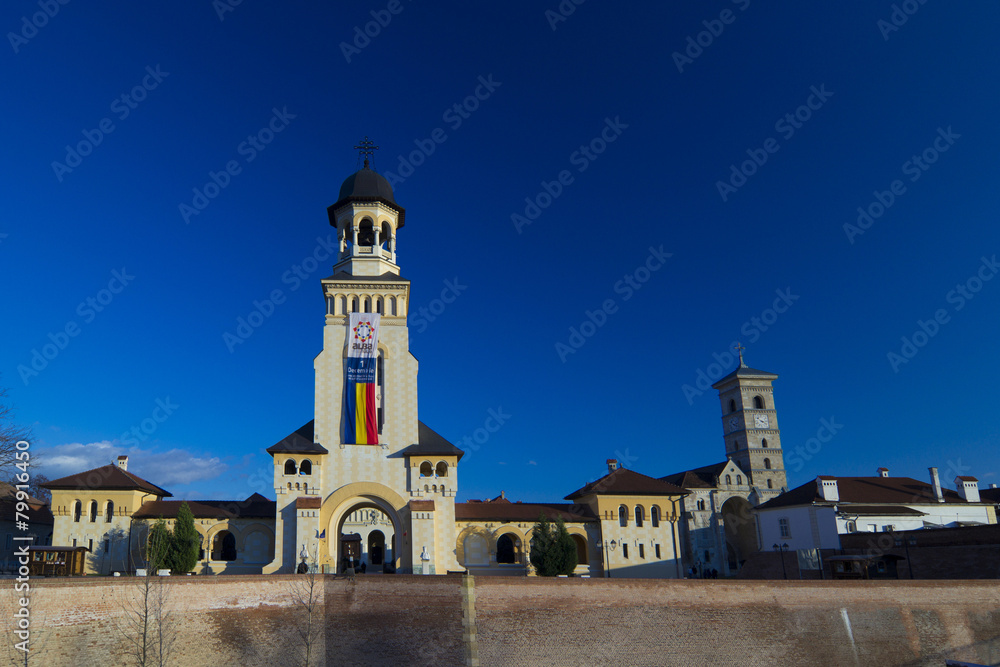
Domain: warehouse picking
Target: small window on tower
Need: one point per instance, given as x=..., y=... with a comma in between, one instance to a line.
x=732, y=405
x=767, y=464
x=770, y=484
x=758, y=402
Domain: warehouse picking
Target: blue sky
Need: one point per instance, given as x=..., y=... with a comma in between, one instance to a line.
x=739, y=138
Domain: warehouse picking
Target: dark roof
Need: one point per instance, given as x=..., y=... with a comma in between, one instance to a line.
x=431, y=442
x=882, y=510
x=384, y=278
x=256, y=506
x=9, y=491
x=990, y=495
x=508, y=511
x=106, y=477
x=746, y=372
x=366, y=185
x=36, y=513
x=366, y=182
x=624, y=482
x=864, y=490
x=699, y=478
x=299, y=442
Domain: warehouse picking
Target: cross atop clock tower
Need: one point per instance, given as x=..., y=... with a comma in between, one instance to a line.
x=750, y=427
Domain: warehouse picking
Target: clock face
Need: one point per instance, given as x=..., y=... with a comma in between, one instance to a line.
x=760, y=421
x=734, y=424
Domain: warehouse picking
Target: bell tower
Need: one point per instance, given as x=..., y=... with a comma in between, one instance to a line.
x=750, y=428
x=366, y=217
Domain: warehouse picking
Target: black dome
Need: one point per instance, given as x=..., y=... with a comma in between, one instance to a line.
x=366, y=184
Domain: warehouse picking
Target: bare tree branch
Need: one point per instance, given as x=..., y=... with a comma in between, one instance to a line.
x=10, y=432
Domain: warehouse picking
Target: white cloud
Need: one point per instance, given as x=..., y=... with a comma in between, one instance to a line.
x=176, y=466
x=532, y=463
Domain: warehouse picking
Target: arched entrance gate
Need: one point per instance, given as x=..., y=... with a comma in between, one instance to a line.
x=387, y=544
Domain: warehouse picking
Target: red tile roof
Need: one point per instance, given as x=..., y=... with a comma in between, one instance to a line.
x=256, y=506
x=530, y=512
x=106, y=477
x=624, y=482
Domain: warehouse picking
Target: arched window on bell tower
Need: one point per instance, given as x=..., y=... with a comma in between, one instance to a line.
x=366, y=234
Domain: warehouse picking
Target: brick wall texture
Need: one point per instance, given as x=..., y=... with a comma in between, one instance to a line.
x=414, y=620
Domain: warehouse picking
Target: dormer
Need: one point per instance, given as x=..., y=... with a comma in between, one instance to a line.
x=827, y=488
x=968, y=488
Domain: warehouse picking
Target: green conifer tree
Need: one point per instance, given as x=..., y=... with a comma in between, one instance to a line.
x=185, y=542
x=552, y=548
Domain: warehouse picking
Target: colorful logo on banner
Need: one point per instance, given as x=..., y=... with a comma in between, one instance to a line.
x=360, y=413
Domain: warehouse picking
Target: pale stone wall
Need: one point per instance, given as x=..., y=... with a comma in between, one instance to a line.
x=412, y=620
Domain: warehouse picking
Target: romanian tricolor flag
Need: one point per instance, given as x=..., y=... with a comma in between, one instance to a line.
x=360, y=414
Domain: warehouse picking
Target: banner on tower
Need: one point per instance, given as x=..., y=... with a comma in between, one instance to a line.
x=361, y=385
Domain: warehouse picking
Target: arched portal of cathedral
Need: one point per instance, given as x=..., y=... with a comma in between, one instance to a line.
x=741, y=540
x=366, y=538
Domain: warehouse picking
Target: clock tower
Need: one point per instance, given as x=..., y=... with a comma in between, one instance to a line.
x=750, y=428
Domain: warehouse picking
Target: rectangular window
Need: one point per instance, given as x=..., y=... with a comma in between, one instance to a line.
x=74, y=542
x=107, y=544
x=642, y=551
x=625, y=550
x=91, y=546
x=657, y=550
x=784, y=528
x=887, y=528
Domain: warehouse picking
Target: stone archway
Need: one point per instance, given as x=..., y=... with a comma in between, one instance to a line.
x=358, y=496
x=350, y=549
x=741, y=538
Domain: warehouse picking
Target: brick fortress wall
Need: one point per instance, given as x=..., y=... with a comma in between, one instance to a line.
x=413, y=620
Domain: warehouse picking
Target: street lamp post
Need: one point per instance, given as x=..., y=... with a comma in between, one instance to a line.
x=781, y=549
x=607, y=559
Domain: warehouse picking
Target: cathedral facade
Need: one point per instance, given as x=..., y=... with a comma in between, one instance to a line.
x=365, y=484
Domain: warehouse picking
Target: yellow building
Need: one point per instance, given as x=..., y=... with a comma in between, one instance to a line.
x=109, y=511
x=624, y=524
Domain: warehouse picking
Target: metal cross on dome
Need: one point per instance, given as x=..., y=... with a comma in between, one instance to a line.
x=739, y=348
x=366, y=147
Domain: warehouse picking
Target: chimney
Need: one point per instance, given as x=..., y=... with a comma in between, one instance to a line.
x=612, y=465
x=968, y=488
x=936, y=482
x=883, y=472
x=993, y=486
x=827, y=487
x=503, y=495
x=123, y=462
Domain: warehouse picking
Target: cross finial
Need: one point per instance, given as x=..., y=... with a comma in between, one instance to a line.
x=366, y=147
x=739, y=348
